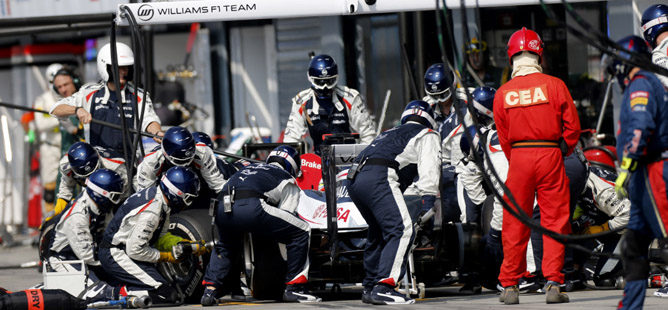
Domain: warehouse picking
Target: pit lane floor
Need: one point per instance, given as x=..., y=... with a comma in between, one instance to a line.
x=349, y=298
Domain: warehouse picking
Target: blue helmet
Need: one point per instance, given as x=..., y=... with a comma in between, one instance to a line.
x=181, y=186
x=179, y=146
x=466, y=145
x=105, y=188
x=323, y=73
x=83, y=158
x=439, y=82
x=288, y=158
x=483, y=103
x=654, y=22
x=201, y=137
x=419, y=111
x=620, y=69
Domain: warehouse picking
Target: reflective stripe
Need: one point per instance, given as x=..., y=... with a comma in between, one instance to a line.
x=129, y=266
x=407, y=233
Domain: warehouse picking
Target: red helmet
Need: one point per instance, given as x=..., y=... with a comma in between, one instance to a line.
x=601, y=156
x=524, y=40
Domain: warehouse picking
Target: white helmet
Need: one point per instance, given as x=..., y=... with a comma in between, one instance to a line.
x=125, y=58
x=51, y=71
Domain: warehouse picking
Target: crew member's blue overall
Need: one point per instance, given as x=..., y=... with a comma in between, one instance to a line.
x=265, y=200
x=109, y=111
x=643, y=137
x=387, y=167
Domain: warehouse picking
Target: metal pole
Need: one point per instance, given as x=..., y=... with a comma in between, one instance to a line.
x=56, y=20
x=115, y=126
x=117, y=86
x=606, y=99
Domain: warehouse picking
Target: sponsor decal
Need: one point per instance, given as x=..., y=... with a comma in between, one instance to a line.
x=145, y=12
x=637, y=94
x=514, y=98
x=202, y=9
x=341, y=213
x=311, y=164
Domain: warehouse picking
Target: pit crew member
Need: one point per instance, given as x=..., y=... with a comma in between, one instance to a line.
x=381, y=173
x=137, y=238
x=642, y=141
x=262, y=199
x=326, y=108
x=537, y=124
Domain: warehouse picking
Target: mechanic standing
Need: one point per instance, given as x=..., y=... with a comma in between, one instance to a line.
x=98, y=101
x=379, y=176
x=78, y=231
x=537, y=125
x=326, y=108
x=137, y=238
x=48, y=129
x=262, y=199
x=643, y=143
x=439, y=85
x=655, y=30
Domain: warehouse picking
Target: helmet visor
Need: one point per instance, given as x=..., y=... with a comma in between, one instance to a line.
x=182, y=162
x=442, y=96
x=114, y=197
x=321, y=83
x=186, y=197
x=79, y=171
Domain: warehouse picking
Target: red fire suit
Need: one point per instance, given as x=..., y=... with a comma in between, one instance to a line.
x=532, y=114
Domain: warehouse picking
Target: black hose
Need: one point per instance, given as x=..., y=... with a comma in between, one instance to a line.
x=117, y=84
x=519, y=214
x=116, y=126
x=137, y=47
x=606, y=46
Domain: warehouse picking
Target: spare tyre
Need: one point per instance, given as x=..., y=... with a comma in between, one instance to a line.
x=187, y=274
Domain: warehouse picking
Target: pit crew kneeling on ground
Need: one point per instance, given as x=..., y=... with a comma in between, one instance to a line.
x=380, y=174
x=178, y=148
x=81, y=161
x=79, y=228
x=136, y=238
x=262, y=199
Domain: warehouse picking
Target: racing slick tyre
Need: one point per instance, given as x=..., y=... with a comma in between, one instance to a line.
x=264, y=268
x=187, y=274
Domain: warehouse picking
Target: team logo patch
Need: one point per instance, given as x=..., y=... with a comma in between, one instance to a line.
x=534, y=45
x=514, y=98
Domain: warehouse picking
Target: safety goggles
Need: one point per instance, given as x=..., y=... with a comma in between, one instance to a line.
x=321, y=83
x=186, y=197
x=442, y=96
x=114, y=197
x=178, y=161
x=97, y=164
x=476, y=47
x=420, y=113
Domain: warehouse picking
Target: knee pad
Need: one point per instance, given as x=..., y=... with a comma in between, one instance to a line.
x=634, y=256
